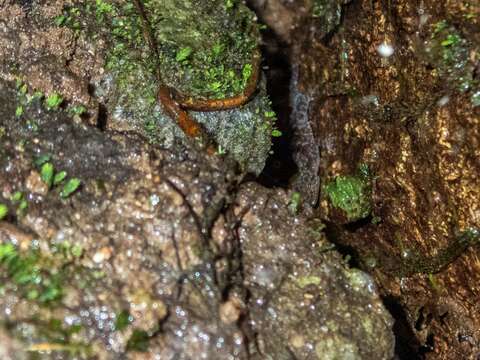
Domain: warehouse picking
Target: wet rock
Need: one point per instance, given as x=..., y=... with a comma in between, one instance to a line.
x=394, y=90
x=122, y=263
x=98, y=57
x=304, y=300
x=135, y=260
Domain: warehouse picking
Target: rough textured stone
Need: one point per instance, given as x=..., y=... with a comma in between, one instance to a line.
x=305, y=302
x=394, y=89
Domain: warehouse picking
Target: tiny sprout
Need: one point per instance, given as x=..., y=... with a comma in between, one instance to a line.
x=70, y=187
x=46, y=173
x=295, y=200
x=59, y=177
x=221, y=150
x=19, y=111
x=183, y=54
x=53, y=101
x=17, y=196
x=23, y=89
x=276, y=133
x=270, y=114
x=60, y=20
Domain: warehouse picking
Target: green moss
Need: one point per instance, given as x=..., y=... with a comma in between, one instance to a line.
x=30, y=273
x=139, y=341
x=53, y=101
x=123, y=319
x=218, y=41
x=19, y=111
x=352, y=194
x=20, y=201
x=77, y=110
x=450, y=52
x=53, y=178
x=205, y=59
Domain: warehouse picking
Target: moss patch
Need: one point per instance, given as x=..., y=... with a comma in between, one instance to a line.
x=205, y=50
x=352, y=194
x=449, y=51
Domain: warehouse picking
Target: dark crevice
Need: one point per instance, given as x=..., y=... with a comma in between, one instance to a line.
x=359, y=224
x=102, y=117
x=427, y=347
x=406, y=345
x=280, y=166
x=424, y=319
x=333, y=235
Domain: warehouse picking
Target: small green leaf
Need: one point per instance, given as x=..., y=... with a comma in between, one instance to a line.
x=3, y=211
x=46, y=173
x=60, y=20
x=59, y=177
x=19, y=111
x=53, y=101
x=451, y=39
x=183, y=53
x=17, y=196
x=218, y=48
x=70, y=187
x=215, y=85
x=295, y=202
x=7, y=251
x=276, y=133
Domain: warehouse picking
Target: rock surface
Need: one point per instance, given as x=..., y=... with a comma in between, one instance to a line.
x=97, y=56
x=393, y=93
x=304, y=300
x=114, y=246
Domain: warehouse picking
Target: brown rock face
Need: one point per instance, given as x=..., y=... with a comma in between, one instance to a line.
x=394, y=91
